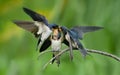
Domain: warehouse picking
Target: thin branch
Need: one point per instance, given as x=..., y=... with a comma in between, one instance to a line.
x=104, y=53
x=63, y=51
x=88, y=50
x=43, y=53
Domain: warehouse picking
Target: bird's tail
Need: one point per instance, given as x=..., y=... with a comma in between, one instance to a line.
x=82, y=49
x=57, y=59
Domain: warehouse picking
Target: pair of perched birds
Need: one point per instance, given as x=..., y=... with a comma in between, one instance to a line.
x=54, y=35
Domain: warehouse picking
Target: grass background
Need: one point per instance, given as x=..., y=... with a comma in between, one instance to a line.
x=17, y=46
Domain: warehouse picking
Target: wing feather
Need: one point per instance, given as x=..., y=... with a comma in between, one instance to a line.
x=35, y=16
x=45, y=45
x=27, y=25
x=73, y=41
x=84, y=29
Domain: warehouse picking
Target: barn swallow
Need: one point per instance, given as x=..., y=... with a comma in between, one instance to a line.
x=56, y=40
x=47, y=34
x=54, y=35
x=39, y=27
x=73, y=35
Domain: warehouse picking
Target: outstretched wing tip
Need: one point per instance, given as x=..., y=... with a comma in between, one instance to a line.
x=101, y=27
x=16, y=22
x=35, y=16
x=25, y=9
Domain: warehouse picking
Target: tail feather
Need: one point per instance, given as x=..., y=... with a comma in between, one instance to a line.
x=81, y=48
x=57, y=60
x=53, y=59
x=83, y=51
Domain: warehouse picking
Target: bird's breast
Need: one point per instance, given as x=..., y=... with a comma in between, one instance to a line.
x=56, y=45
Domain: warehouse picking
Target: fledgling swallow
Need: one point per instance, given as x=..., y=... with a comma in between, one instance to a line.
x=54, y=35
x=56, y=42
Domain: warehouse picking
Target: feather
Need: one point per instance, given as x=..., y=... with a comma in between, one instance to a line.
x=45, y=45
x=74, y=41
x=44, y=29
x=27, y=25
x=35, y=16
x=84, y=29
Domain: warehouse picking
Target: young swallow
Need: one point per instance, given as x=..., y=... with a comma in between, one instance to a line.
x=56, y=42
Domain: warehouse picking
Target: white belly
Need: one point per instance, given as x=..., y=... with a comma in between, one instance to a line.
x=56, y=45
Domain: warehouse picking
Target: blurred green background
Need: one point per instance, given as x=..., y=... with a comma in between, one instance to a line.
x=18, y=54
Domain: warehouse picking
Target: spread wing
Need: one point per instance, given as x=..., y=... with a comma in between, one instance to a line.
x=44, y=29
x=35, y=16
x=75, y=34
x=84, y=29
x=72, y=40
x=27, y=25
x=39, y=26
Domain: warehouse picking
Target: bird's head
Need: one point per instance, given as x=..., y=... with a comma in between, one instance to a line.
x=56, y=32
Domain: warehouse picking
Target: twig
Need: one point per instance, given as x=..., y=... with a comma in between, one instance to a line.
x=43, y=53
x=88, y=50
x=104, y=53
x=63, y=51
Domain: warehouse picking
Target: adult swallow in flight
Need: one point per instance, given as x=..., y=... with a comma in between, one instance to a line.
x=48, y=34
x=39, y=27
x=54, y=35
